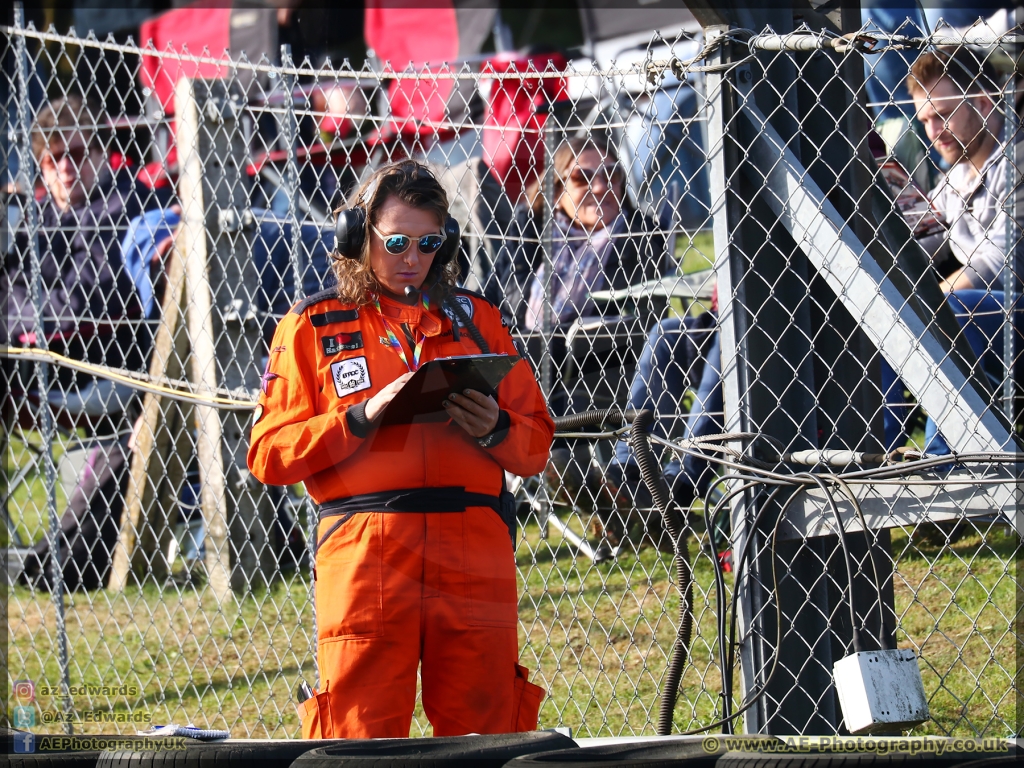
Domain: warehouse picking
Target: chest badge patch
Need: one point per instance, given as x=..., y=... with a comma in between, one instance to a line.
x=467, y=305
x=340, y=342
x=350, y=376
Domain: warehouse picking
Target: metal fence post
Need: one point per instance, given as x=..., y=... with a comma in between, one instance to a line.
x=42, y=370
x=292, y=189
x=732, y=325
x=548, y=321
x=291, y=173
x=224, y=331
x=769, y=351
x=1012, y=264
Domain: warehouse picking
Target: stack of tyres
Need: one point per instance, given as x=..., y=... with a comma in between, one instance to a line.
x=335, y=753
x=187, y=753
x=32, y=750
x=769, y=752
x=647, y=753
x=462, y=751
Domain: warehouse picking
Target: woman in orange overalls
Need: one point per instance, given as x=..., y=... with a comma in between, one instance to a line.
x=414, y=560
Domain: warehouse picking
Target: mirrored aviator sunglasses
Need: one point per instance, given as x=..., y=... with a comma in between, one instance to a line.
x=396, y=244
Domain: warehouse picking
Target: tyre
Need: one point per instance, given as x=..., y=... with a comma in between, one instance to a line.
x=697, y=752
x=54, y=760
x=764, y=752
x=28, y=750
x=484, y=751
x=222, y=754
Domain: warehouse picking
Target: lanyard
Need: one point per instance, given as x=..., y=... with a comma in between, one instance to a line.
x=397, y=345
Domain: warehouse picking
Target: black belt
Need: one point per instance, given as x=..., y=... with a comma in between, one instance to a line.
x=448, y=499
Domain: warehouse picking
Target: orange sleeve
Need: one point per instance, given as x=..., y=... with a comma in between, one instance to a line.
x=524, y=451
x=290, y=440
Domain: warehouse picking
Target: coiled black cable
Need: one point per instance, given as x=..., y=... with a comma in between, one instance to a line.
x=467, y=322
x=574, y=421
x=650, y=471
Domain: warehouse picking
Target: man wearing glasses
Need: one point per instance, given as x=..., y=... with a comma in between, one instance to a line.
x=957, y=100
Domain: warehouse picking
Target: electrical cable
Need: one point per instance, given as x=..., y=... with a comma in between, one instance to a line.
x=650, y=472
x=741, y=565
x=756, y=695
x=858, y=643
x=710, y=525
x=142, y=382
x=720, y=576
x=883, y=638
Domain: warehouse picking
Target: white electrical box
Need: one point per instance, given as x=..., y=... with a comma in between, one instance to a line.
x=880, y=691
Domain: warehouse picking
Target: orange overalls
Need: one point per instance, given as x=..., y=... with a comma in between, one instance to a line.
x=398, y=588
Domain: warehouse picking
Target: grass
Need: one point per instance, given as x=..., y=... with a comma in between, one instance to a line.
x=695, y=252
x=596, y=637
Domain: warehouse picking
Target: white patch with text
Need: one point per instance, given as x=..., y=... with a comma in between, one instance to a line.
x=350, y=376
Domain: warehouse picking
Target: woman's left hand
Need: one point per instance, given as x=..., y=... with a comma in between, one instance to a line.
x=474, y=411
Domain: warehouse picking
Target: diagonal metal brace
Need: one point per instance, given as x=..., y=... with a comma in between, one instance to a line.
x=951, y=398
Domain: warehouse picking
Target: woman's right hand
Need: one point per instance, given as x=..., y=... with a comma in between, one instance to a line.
x=379, y=402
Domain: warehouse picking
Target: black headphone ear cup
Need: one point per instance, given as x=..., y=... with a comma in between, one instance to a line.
x=453, y=235
x=350, y=232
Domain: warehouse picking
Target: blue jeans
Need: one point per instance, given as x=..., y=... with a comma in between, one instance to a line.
x=680, y=354
x=981, y=316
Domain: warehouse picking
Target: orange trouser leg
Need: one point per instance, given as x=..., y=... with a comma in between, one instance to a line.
x=470, y=642
x=368, y=596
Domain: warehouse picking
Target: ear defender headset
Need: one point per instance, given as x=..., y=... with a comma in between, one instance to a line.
x=350, y=235
x=351, y=225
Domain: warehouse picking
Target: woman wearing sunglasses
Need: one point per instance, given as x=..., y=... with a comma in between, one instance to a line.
x=414, y=562
x=599, y=243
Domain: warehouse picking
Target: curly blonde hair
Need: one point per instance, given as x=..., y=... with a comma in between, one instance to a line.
x=415, y=185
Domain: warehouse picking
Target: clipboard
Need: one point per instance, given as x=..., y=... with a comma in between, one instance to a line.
x=419, y=401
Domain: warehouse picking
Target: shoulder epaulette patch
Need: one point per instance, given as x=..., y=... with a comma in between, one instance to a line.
x=467, y=292
x=316, y=298
x=337, y=316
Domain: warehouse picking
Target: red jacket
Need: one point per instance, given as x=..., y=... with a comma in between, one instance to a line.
x=327, y=358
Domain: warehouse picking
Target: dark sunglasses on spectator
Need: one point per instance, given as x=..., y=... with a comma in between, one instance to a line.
x=76, y=153
x=397, y=244
x=609, y=174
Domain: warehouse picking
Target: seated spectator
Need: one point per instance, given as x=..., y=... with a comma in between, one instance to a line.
x=956, y=99
x=885, y=82
x=599, y=241
x=955, y=95
x=149, y=238
x=88, y=303
x=681, y=353
x=86, y=293
x=146, y=245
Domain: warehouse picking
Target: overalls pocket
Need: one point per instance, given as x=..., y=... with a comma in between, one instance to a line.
x=526, y=701
x=315, y=714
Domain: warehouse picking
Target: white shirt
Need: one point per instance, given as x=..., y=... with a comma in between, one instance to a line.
x=972, y=206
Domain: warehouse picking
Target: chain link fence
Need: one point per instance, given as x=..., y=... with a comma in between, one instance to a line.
x=732, y=232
